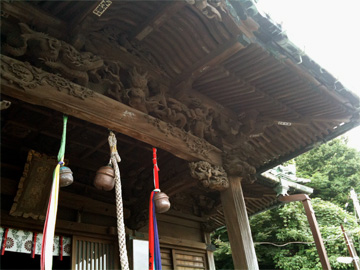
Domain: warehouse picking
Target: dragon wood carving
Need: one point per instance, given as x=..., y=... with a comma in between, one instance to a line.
x=29, y=77
x=212, y=177
x=54, y=54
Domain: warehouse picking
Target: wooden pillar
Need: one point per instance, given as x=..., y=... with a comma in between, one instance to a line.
x=310, y=214
x=209, y=253
x=238, y=227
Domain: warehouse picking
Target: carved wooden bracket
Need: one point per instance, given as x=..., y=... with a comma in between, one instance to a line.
x=4, y=104
x=210, y=8
x=235, y=166
x=212, y=177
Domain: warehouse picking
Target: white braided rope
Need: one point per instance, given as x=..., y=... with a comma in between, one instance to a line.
x=115, y=158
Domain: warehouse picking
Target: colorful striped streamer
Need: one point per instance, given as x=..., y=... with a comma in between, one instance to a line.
x=4, y=241
x=33, y=246
x=50, y=221
x=154, y=246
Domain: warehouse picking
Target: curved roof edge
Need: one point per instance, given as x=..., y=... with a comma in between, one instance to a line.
x=271, y=37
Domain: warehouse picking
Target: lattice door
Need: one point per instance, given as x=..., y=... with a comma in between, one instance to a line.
x=93, y=254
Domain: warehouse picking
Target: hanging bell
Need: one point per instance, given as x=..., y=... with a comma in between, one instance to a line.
x=66, y=176
x=105, y=178
x=162, y=203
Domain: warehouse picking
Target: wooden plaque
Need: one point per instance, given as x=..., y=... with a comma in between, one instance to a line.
x=34, y=187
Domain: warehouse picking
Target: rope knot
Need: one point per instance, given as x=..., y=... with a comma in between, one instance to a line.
x=112, y=143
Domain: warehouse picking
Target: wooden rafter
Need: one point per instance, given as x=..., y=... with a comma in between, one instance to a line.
x=224, y=51
x=27, y=13
x=264, y=95
x=84, y=13
x=150, y=25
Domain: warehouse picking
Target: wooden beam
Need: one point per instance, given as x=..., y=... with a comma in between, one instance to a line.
x=223, y=52
x=238, y=227
x=167, y=241
x=62, y=226
x=30, y=15
x=168, y=9
x=77, y=20
x=86, y=204
x=51, y=91
x=70, y=200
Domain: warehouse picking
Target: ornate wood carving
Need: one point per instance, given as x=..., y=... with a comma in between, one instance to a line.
x=4, y=104
x=212, y=177
x=236, y=166
x=106, y=77
x=127, y=84
x=195, y=144
x=138, y=93
x=51, y=53
x=28, y=77
x=210, y=8
x=199, y=125
x=85, y=104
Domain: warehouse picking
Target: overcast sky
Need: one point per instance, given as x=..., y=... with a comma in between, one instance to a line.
x=329, y=32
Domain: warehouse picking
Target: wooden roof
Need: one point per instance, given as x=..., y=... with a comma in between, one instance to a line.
x=237, y=63
x=228, y=55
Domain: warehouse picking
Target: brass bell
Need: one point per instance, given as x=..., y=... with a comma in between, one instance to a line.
x=162, y=203
x=105, y=178
x=66, y=176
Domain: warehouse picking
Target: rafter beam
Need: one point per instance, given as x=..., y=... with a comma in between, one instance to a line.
x=84, y=13
x=263, y=94
x=31, y=15
x=222, y=52
x=167, y=11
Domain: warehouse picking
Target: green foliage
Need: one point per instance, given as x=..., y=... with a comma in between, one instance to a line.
x=222, y=254
x=287, y=224
x=333, y=169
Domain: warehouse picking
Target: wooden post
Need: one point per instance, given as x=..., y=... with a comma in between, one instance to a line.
x=353, y=196
x=351, y=249
x=316, y=233
x=310, y=214
x=210, y=254
x=238, y=227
